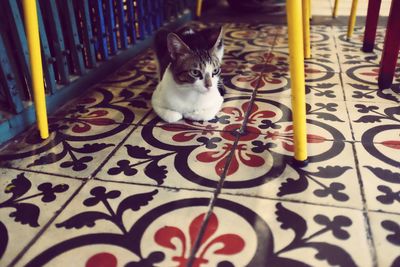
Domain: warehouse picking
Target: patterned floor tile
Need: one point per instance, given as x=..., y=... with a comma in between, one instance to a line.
x=174, y=157
x=74, y=148
x=290, y=234
x=360, y=83
x=355, y=43
x=106, y=104
x=325, y=119
x=137, y=71
x=319, y=85
x=112, y=224
x=262, y=166
x=386, y=234
x=379, y=166
x=27, y=203
x=374, y=122
x=323, y=48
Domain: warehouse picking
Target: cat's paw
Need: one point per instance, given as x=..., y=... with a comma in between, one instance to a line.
x=170, y=116
x=200, y=115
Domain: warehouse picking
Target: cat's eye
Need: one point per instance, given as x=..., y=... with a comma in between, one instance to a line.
x=195, y=73
x=216, y=71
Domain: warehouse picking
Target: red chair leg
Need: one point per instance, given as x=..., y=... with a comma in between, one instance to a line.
x=371, y=24
x=391, y=47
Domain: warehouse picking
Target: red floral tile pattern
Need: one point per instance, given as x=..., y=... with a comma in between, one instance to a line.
x=116, y=186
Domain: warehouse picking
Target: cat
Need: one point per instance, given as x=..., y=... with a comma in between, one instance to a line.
x=189, y=72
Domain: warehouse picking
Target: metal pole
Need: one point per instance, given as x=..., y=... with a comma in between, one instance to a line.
x=32, y=34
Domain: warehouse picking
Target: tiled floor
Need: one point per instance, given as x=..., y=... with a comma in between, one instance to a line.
x=115, y=186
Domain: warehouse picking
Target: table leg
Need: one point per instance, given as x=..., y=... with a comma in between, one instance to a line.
x=371, y=25
x=391, y=47
x=296, y=57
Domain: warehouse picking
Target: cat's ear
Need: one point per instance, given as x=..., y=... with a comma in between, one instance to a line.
x=216, y=38
x=176, y=46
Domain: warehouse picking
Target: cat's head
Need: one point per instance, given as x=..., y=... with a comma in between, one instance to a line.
x=196, y=58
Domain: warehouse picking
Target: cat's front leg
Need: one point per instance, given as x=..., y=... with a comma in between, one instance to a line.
x=168, y=115
x=201, y=114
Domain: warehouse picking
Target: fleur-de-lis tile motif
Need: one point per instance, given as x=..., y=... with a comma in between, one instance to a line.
x=231, y=243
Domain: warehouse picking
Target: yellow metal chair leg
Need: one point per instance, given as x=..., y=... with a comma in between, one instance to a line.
x=199, y=5
x=32, y=34
x=352, y=19
x=296, y=57
x=335, y=8
x=306, y=28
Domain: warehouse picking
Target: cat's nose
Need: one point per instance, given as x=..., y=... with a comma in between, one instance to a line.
x=207, y=81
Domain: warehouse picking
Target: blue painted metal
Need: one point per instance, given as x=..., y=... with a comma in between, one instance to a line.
x=148, y=17
x=57, y=41
x=47, y=58
x=56, y=30
x=101, y=28
x=72, y=35
x=87, y=34
x=8, y=78
x=141, y=18
x=122, y=24
x=19, y=39
x=131, y=21
x=111, y=28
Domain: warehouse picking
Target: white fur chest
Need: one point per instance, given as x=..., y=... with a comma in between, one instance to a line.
x=187, y=100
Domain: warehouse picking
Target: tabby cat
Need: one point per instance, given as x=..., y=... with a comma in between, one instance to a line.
x=189, y=70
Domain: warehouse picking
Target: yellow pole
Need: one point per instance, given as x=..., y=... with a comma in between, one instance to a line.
x=306, y=28
x=352, y=18
x=335, y=8
x=32, y=34
x=296, y=57
x=309, y=9
x=198, y=8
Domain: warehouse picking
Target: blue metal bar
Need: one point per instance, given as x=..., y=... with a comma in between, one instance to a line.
x=57, y=41
x=121, y=24
x=7, y=75
x=101, y=28
x=111, y=28
x=47, y=58
x=131, y=21
x=141, y=19
x=19, y=38
x=75, y=45
x=87, y=34
x=148, y=16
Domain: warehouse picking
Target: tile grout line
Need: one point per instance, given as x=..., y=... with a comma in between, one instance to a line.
x=43, y=172
x=255, y=92
x=84, y=182
x=117, y=147
x=47, y=225
x=367, y=226
x=217, y=192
